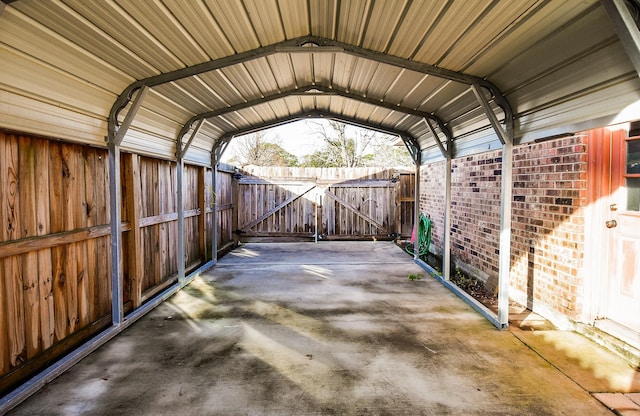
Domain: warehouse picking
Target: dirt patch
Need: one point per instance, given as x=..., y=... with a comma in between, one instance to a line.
x=469, y=283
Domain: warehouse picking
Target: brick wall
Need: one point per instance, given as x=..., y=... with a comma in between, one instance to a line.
x=432, y=201
x=549, y=197
x=550, y=194
x=475, y=213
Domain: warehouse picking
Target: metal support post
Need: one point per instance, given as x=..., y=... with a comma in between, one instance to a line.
x=214, y=205
x=114, y=139
x=117, y=309
x=181, y=259
x=416, y=208
x=504, y=262
x=446, y=243
x=180, y=152
x=446, y=234
x=505, y=235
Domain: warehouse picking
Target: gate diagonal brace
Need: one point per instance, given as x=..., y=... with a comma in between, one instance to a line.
x=355, y=210
x=276, y=209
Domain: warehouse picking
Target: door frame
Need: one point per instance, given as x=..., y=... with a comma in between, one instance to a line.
x=606, y=161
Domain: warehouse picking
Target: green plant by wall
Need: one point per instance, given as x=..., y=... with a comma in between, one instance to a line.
x=415, y=276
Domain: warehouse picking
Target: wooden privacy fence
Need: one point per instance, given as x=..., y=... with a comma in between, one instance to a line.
x=335, y=203
x=55, y=255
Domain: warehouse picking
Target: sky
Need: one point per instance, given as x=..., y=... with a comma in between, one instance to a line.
x=296, y=137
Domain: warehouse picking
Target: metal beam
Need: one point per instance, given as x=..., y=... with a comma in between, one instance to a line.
x=407, y=138
x=121, y=131
x=626, y=27
x=300, y=45
x=180, y=150
x=222, y=146
x=317, y=114
x=506, y=191
x=303, y=115
x=115, y=208
x=426, y=69
x=308, y=91
x=3, y=4
x=412, y=147
x=493, y=119
x=445, y=152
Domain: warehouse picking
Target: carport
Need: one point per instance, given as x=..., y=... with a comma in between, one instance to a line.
x=332, y=328
x=177, y=82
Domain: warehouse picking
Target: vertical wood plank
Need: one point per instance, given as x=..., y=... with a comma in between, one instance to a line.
x=162, y=257
x=30, y=285
x=171, y=205
x=4, y=335
x=70, y=205
x=235, y=215
x=56, y=174
x=15, y=310
x=12, y=265
x=135, y=265
x=82, y=214
x=45, y=272
x=90, y=191
x=103, y=257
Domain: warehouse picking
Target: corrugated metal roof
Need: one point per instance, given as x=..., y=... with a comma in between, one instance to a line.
x=384, y=64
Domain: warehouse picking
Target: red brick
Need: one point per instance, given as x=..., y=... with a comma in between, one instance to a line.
x=541, y=229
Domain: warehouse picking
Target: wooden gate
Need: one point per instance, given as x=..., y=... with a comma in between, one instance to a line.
x=332, y=203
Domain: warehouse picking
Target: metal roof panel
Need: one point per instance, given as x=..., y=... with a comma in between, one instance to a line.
x=65, y=23
x=266, y=20
x=419, y=20
x=459, y=18
x=164, y=29
x=322, y=18
x=116, y=23
x=295, y=18
x=232, y=18
x=202, y=27
x=552, y=59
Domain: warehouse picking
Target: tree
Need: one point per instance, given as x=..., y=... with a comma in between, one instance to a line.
x=388, y=154
x=345, y=147
x=257, y=149
x=339, y=148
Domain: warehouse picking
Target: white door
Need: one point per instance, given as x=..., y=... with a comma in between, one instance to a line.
x=623, y=298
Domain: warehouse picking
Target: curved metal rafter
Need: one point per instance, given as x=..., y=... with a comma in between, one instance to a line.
x=309, y=91
x=406, y=137
x=309, y=44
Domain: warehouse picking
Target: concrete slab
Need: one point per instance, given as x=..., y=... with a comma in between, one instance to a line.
x=334, y=328
x=618, y=402
x=594, y=368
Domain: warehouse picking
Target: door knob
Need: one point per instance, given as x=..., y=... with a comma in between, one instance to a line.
x=611, y=224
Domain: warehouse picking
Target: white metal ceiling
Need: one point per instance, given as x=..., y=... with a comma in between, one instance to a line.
x=559, y=64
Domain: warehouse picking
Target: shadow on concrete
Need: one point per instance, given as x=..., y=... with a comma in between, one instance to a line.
x=329, y=328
